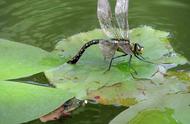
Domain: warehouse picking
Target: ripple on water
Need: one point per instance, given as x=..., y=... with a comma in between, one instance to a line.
x=38, y=22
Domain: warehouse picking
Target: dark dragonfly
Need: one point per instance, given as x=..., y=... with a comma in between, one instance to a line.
x=117, y=32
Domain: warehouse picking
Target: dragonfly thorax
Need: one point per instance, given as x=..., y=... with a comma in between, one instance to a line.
x=120, y=40
x=135, y=48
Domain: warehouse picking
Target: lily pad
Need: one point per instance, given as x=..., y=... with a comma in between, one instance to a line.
x=20, y=60
x=88, y=76
x=24, y=102
x=167, y=109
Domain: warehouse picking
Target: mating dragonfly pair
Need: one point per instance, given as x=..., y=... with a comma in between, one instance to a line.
x=117, y=32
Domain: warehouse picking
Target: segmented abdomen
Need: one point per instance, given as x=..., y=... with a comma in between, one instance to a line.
x=75, y=59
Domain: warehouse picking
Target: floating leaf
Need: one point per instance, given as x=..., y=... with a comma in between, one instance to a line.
x=89, y=73
x=24, y=102
x=20, y=60
x=87, y=79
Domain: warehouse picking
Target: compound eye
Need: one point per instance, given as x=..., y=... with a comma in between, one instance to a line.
x=139, y=48
x=142, y=49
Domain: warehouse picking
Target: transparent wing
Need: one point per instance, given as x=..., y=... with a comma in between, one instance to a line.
x=121, y=15
x=108, y=48
x=105, y=18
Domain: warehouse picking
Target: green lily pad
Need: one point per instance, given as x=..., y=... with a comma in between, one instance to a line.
x=20, y=60
x=24, y=102
x=167, y=109
x=88, y=76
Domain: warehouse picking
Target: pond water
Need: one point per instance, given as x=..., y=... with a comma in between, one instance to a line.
x=43, y=23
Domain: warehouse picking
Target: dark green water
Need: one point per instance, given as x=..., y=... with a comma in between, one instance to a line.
x=43, y=23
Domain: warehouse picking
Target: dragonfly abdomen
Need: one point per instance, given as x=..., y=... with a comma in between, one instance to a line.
x=75, y=59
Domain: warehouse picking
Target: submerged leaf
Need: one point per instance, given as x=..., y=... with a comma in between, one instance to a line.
x=154, y=116
x=20, y=60
x=23, y=102
x=166, y=109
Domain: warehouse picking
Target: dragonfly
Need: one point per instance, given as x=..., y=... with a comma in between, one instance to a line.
x=117, y=29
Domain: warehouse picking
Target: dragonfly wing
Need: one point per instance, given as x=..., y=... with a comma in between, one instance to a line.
x=108, y=48
x=105, y=17
x=121, y=15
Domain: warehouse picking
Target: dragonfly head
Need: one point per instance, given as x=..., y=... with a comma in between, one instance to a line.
x=138, y=49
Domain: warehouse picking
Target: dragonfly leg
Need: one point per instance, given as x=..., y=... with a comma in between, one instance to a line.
x=129, y=64
x=139, y=78
x=143, y=59
x=113, y=59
